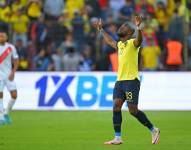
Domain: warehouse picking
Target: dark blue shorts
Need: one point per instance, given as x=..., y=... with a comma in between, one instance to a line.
x=127, y=90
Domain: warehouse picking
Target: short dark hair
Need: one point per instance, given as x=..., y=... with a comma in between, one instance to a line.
x=127, y=24
x=130, y=26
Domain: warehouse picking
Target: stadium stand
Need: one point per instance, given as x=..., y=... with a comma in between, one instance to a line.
x=49, y=33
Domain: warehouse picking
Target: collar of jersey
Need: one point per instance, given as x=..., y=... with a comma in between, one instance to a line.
x=125, y=43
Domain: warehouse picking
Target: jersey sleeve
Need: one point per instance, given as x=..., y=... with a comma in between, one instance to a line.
x=14, y=52
x=132, y=42
x=118, y=44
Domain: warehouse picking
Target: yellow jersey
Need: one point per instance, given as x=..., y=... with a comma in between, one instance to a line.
x=150, y=55
x=127, y=61
x=34, y=10
x=72, y=6
x=20, y=23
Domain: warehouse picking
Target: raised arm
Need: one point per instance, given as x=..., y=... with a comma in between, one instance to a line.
x=139, y=38
x=107, y=38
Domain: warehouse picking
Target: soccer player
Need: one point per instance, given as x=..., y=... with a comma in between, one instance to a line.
x=8, y=66
x=127, y=85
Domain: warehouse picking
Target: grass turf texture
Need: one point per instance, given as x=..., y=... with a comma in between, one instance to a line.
x=88, y=130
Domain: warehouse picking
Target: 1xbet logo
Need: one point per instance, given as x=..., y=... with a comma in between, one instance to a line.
x=99, y=90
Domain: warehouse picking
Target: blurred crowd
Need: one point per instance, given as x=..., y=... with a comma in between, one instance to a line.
x=58, y=35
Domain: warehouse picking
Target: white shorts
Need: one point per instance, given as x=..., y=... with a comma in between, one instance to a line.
x=11, y=85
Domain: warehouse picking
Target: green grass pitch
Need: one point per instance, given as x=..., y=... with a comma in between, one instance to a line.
x=87, y=130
